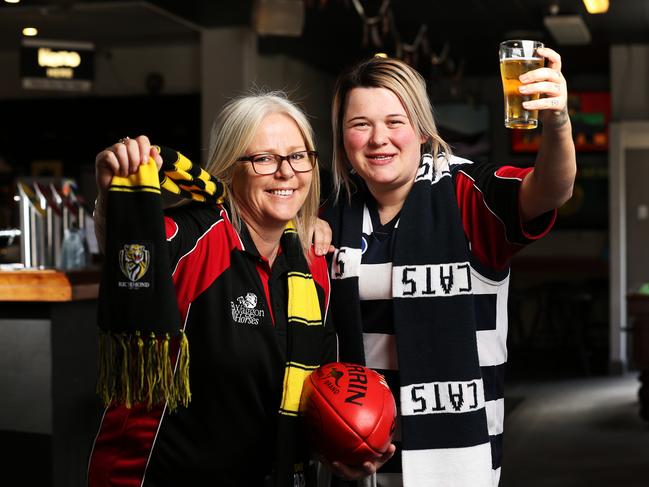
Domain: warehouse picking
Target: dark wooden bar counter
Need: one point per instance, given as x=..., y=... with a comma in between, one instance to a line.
x=48, y=347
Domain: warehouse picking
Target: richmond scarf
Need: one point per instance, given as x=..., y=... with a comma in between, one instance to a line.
x=139, y=320
x=138, y=315
x=442, y=404
x=305, y=338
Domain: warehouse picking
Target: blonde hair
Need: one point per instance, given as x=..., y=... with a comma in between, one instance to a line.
x=406, y=83
x=232, y=133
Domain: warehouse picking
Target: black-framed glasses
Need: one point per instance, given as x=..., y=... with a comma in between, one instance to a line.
x=301, y=161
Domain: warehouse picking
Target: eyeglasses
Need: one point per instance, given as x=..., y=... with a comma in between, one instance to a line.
x=302, y=161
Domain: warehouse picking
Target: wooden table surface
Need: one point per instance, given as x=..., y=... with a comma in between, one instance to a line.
x=48, y=285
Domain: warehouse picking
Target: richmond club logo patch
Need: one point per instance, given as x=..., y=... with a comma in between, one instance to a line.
x=134, y=261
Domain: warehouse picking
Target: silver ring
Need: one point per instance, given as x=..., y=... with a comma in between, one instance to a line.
x=124, y=140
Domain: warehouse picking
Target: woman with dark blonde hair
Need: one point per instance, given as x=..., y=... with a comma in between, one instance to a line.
x=420, y=272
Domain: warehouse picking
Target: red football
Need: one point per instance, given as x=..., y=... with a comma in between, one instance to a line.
x=349, y=412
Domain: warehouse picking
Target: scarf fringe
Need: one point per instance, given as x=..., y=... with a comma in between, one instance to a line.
x=138, y=370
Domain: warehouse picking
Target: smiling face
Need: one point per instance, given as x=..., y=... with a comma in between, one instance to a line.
x=270, y=201
x=380, y=142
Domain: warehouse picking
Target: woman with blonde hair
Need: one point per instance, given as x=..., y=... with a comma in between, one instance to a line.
x=252, y=301
x=420, y=272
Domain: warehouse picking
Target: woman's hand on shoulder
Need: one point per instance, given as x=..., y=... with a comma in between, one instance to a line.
x=348, y=472
x=122, y=159
x=321, y=237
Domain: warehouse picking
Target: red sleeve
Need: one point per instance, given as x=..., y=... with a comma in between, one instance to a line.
x=200, y=243
x=488, y=198
x=123, y=446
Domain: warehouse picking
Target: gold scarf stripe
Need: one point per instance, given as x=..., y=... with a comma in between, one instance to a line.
x=210, y=187
x=303, y=309
x=145, y=177
x=182, y=168
x=172, y=187
x=169, y=185
x=181, y=163
x=196, y=194
x=294, y=376
x=180, y=181
x=295, y=319
x=303, y=304
x=135, y=189
x=186, y=180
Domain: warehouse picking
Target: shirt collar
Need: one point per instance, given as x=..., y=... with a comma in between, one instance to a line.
x=251, y=248
x=248, y=242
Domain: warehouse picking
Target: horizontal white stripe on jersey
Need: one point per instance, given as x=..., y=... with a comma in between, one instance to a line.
x=495, y=416
x=457, y=467
x=492, y=344
x=375, y=280
x=380, y=351
x=442, y=397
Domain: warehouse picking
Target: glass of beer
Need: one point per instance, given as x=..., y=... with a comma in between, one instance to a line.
x=518, y=57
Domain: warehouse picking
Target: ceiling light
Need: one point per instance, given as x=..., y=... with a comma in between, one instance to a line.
x=12, y=1
x=30, y=31
x=278, y=17
x=596, y=6
x=568, y=30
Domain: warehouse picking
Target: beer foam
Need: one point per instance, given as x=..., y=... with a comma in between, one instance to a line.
x=522, y=59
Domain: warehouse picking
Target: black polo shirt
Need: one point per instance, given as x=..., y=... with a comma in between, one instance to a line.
x=234, y=307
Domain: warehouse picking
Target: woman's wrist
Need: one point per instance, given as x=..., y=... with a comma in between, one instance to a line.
x=99, y=217
x=99, y=211
x=557, y=120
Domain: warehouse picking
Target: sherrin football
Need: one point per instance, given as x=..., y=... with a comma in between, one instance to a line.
x=349, y=413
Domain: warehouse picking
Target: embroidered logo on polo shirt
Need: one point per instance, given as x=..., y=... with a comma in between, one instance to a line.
x=134, y=261
x=245, y=310
x=249, y=301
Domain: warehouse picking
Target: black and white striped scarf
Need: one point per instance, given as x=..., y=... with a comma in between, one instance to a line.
x=442, y=402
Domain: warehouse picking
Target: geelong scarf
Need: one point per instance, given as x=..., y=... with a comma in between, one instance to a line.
x=140, y=324
x=138, y=315
x=445, y=439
